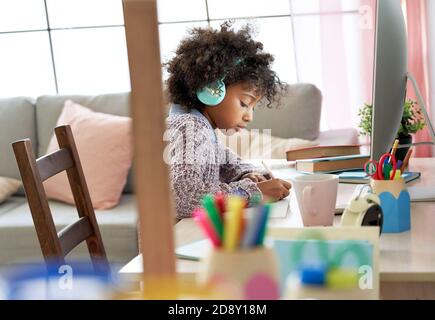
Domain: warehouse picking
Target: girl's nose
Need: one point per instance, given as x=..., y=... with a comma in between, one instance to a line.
x=248, y=116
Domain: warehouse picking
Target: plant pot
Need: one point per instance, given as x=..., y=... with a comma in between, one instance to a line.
x=401, y=153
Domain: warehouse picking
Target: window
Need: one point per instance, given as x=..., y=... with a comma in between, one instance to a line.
x=62, y=46
x=78, y=46
x=313, y=41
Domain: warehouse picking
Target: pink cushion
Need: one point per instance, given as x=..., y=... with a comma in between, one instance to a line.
x=104, y=144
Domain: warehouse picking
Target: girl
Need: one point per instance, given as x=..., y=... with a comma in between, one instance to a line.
x=215, y=81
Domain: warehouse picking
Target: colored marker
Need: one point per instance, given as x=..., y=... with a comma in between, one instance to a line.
x=399, y=164
x=263, y=224
x=219, y=199
x=387, y=170
x=253, y=226
x=233, y=220
x=200, y=217
x=213, y=214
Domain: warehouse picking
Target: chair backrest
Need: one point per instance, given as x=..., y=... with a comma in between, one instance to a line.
x=55, y=246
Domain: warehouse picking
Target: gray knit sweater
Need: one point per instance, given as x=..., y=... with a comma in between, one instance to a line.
x=199, y=164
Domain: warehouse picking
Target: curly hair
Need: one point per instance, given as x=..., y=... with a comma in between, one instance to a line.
x=207, y=55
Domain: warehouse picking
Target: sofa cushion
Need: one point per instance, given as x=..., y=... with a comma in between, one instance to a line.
x=20, y=243
x=258, y=145
x=297, y=116
x=11, y=203
x=104, y=143
x=8, y=186
x=48, y=109
x=17, y=121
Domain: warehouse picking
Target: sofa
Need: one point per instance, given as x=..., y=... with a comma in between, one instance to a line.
x=22, y=117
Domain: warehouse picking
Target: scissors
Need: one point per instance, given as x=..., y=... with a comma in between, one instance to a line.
x=381, y=170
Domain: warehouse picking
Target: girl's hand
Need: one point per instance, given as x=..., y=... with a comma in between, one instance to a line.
x=256, y=177
x=274, y=189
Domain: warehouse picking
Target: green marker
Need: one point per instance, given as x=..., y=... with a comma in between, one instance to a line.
x=387, y=170
x=213, y=213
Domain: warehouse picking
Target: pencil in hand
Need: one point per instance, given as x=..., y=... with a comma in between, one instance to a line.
x=269, y=172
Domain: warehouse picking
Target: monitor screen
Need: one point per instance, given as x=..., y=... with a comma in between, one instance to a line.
x=390, y=75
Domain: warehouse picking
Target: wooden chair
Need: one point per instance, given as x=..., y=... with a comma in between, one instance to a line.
x=55, y=246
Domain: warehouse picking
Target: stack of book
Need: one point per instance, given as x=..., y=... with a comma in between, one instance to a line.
x=332, y=164
x=344, y=160
x=327, y=158
x=322, y=152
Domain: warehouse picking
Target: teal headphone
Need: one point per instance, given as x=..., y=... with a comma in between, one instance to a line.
x=214, y=93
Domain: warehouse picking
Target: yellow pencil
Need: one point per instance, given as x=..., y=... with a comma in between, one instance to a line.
x=394, y=149
x=233, y=219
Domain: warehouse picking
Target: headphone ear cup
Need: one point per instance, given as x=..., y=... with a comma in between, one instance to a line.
x=213, y=93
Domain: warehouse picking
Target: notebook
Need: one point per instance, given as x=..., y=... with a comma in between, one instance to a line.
x=332, y=164
x=322, y=151
x=359, y=176
x=193, y=251
x=280, y=209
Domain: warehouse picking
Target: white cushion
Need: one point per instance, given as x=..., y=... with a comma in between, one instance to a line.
x=117, y=226
x=8, y=186
x=254, y=145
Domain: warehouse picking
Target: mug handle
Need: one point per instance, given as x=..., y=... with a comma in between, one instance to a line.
x=307, y=195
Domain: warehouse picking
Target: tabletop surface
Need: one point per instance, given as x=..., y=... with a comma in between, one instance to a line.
x=406, y=256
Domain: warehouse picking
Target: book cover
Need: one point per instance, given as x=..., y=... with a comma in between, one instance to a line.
x=322, y=151
x=332, y=164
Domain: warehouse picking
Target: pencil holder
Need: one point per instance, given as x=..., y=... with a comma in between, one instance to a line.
x=395, y=203
x=250, y=273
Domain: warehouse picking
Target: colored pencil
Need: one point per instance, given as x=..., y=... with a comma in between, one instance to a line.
x=393, y=150
x=406, y=160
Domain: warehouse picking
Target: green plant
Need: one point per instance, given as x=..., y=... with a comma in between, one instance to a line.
x=412, y=119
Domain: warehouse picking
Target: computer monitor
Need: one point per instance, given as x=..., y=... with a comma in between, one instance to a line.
x=390, y=78
x=389, y=75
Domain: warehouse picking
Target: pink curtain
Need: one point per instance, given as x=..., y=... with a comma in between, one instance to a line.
x=418, y=61
x=335, y=81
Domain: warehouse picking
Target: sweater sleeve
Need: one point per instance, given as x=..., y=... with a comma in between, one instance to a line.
x=232, y=168
x=189, y=187
x=194, y=171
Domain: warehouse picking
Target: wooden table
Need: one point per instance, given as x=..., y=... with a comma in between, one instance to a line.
x=407, y=260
